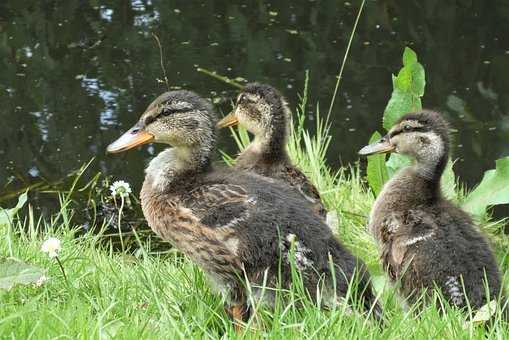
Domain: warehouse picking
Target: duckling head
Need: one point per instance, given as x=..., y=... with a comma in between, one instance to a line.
x=263, y=111
x=422, y=135
x=177, y=118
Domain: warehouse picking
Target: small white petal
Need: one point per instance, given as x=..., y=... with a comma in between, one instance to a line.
x=51, y=246
x=120, y=188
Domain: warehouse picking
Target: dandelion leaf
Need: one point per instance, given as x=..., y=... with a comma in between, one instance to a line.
x=14, y=272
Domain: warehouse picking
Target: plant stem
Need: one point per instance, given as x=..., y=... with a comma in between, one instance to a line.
x=224, y=79
x=119, y=224
x=161, y=60
x=340, y=74
x=62, y=269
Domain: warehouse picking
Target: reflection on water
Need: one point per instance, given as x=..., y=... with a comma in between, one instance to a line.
x=75, y=74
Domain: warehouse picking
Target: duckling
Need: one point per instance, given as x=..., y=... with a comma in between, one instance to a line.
x=264, y=112
x=425, y=241
x=233, y=224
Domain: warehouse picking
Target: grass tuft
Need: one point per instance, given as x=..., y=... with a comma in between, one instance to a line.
x=142, y=295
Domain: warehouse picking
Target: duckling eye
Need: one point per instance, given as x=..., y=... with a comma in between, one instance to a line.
x=166, y=111
x=242, y=98
x=407, y=128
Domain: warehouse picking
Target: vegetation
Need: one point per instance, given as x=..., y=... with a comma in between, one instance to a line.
x=102, y=293
x=408, y=89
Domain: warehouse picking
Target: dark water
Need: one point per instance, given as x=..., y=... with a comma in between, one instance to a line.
x=75, y=74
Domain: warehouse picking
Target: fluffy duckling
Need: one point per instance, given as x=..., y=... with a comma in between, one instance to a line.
x=233, y=224
x=425, y=241
x=264, y=112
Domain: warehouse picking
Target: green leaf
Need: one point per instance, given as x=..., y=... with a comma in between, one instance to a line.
x=14, y=271
x=448, y=182
x=111, y=329
x=376, y=171
x=493, y=189
x=403, y=81
x=409, y=56
x=408, y=88
x=401, y=103
x=397, y=162
x=418, y=80
x=7, y=215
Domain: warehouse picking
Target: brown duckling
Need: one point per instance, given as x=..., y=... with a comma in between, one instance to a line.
x=264, y=112
x=425, y=241
x=233, y=224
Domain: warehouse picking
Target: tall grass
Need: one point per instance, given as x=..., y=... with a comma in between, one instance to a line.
x=117, y=295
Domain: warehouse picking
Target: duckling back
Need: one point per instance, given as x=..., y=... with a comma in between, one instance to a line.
x=284, y=224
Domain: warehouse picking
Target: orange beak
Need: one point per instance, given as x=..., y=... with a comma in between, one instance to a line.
x=228, y=120
x=133, y=137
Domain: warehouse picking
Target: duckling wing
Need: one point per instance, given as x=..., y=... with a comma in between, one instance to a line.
x=401, y=234
x=299, y=180
x=219, y=205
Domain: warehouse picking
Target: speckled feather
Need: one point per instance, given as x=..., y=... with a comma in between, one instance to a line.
x=236, y=224
x=425, y=240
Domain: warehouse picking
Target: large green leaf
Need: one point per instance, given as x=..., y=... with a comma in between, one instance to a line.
x=6, y=215
x=413, y=70
x=400, y=104
x=376, y=171
x=14, y=272
x=408, y=88
x=493, y=189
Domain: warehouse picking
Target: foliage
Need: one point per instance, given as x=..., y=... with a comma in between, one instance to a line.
x=115, y=294
x=142, y=296
x=377, y=171
x=408, y=88
x=14, y=272
x=7, y=215
x=493, y=189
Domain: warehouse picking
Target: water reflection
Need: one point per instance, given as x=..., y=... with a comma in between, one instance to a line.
x=75, y=74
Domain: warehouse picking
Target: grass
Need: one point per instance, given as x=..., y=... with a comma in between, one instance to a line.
x=110, y=294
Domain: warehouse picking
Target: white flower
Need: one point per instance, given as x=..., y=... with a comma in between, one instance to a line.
x=42, y=280
x=120, y=188
x=51, y=246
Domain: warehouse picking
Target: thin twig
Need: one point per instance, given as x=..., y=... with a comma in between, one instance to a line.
x=161, y=60
x=224, y=79
x=340, y=75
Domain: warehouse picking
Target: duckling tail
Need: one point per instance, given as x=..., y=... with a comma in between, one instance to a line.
x=355, y=273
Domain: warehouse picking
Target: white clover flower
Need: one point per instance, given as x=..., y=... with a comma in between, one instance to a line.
x=120, y=188
x=51, y=246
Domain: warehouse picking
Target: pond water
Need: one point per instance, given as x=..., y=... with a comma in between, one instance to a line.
x=75, y=74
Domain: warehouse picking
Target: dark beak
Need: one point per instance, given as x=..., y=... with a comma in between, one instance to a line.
x=132, y=138
x=381, y=146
